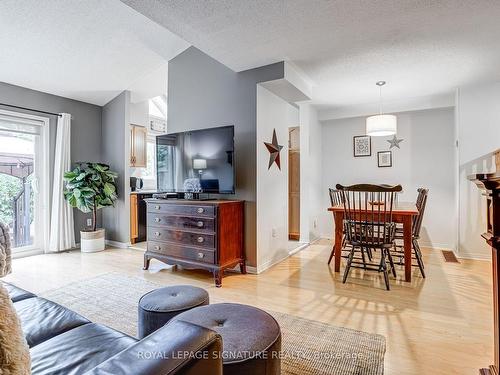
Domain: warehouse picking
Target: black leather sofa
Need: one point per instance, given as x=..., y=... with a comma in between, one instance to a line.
x=63, y=342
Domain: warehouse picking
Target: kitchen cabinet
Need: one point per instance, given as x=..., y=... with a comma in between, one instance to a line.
x=138, y=146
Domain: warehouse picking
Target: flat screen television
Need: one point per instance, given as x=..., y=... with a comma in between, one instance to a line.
x=199, y=161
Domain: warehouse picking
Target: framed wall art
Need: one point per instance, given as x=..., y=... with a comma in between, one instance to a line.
x=362, y=145
x=384, y=159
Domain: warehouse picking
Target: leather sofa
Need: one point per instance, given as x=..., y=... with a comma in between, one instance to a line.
x=63, y=342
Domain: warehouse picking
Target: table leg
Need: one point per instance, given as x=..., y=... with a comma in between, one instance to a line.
x=339, y=220
x=407, y=222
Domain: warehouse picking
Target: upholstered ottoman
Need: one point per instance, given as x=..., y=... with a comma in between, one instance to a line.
x=157, y=307
x=251, y=338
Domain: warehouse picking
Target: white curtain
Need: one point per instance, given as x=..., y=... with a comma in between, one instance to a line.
x=62, y=232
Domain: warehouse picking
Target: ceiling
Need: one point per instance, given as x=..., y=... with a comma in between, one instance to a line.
x=87, y=50
x=420, y=47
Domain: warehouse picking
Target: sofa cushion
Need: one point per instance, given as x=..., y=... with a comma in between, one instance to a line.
x=77, y=351
x=17, y=294
x=42, y=319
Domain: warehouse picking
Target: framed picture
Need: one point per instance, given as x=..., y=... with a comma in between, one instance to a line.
x=384, y=159
x=362, y=145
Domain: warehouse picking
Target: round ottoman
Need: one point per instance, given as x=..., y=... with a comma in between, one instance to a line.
x=251, y=338
x=157, y=307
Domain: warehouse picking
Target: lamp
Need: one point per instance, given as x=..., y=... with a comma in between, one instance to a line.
x=200, y=164
x=381, y=125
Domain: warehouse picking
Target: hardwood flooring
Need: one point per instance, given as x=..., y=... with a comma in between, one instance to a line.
x=439, y=325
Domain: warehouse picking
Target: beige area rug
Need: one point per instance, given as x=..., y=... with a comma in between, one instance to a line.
x=309, y=347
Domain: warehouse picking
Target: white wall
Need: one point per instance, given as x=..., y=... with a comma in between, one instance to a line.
x=272, y=185
x=478, y=128
x=426, y=159
x=311, y=172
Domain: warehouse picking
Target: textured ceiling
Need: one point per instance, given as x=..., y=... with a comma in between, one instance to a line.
x=88, y=50
x=421, y=47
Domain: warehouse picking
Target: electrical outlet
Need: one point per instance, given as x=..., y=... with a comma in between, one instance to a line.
x=273, y=232
x=89, y=222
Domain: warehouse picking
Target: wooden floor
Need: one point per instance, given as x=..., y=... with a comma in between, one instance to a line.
x=440, y=325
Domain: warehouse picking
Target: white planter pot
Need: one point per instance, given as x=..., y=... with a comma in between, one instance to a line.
x=91, y=242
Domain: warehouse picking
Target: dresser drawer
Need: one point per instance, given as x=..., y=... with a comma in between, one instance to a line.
x=203, y=224
x=182, y=209
x=181, y=237
x=182, y=252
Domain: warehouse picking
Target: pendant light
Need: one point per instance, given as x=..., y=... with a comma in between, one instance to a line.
x=381, y=125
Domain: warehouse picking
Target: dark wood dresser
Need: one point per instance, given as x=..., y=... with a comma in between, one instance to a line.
x=196, y=234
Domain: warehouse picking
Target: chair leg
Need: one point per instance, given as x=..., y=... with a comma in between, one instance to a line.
x=384, y=269
x=369, y=253
x=363, y=257
x=418, y=255
x=348, y=265
x=331, y=254
x=391, y=262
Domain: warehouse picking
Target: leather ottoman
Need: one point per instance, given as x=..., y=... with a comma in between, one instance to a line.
x=251, y=338
x=159, y=306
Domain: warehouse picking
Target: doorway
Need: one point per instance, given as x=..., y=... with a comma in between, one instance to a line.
x=294, y=183
x=24, y=198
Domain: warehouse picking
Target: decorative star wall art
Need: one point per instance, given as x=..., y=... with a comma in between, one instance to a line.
x=274, y=151
x=395, y=142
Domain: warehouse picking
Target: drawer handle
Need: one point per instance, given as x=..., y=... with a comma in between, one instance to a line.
x=200, y=210
x=157, y=207
x=157, y=219
x=157, y=234
x=157, y=247
x=201, y=255
x=200, y=239
x=199, y=224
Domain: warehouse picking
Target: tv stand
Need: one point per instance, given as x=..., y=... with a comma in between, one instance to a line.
x=196, y=234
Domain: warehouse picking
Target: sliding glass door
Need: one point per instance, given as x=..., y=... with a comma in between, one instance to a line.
x=24, y=180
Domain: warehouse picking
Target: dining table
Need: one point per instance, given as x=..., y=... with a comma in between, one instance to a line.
x=402, y=212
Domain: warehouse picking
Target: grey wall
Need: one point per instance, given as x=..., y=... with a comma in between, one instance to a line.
x=115, y=119
x=204, y=93
x=85, y=128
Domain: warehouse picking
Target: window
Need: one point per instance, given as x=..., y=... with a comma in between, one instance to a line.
x=150, y=170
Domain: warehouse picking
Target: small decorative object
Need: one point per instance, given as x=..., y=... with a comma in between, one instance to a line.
x=394, y=142
x=384, y=159
x=274, y=150
x=362, y=145
x=90, y=187
x=382, y=124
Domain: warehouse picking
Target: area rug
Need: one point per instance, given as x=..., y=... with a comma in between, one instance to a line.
x=309, y=347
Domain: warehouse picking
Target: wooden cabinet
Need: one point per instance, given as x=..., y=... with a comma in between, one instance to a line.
x=196, y=234
x=134, y=219
x=138, y=146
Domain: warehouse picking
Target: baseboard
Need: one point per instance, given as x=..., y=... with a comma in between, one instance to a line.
x=301, y=246
x=28, y=253
x=120, y=245
x=474, y=256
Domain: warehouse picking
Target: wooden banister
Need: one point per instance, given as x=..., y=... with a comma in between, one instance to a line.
x=489, y=184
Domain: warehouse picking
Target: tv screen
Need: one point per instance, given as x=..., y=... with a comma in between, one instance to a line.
x=196, y=161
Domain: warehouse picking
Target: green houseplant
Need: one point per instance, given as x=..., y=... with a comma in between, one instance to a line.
x=90, y=187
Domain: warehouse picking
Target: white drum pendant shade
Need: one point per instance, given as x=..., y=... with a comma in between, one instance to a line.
x=381, y=125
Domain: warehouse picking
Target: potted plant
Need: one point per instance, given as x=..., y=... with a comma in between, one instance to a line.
x=90, y=187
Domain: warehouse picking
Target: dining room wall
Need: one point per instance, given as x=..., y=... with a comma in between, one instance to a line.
x=426, y=158
x=478, y=133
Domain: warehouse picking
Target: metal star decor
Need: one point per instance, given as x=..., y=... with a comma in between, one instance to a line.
x=395, y=142
x=274, y=151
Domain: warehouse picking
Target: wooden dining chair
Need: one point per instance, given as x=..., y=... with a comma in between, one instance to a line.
x=368, y=217
x=336, y=200
x=421, y=203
